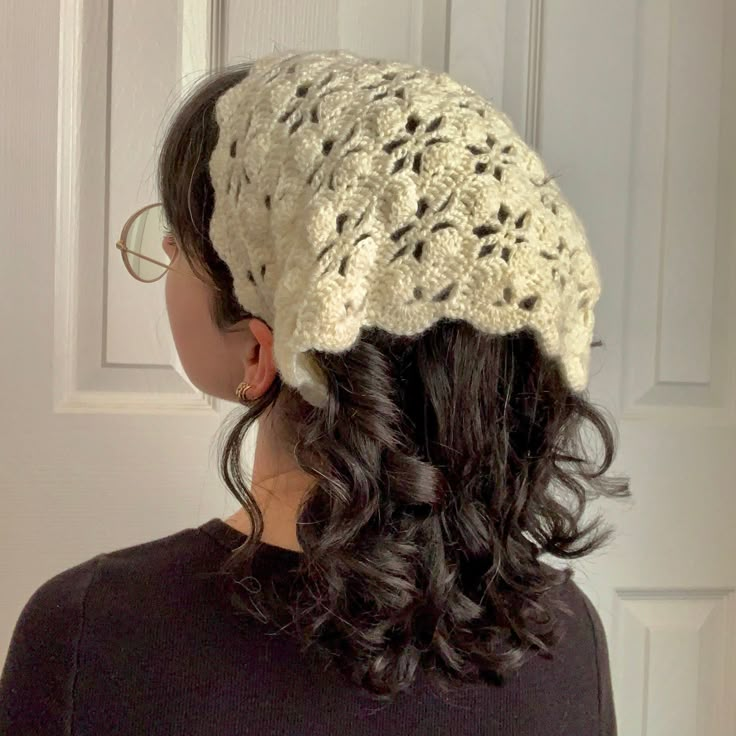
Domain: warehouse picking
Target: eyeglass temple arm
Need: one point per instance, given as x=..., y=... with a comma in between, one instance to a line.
x=119, y=245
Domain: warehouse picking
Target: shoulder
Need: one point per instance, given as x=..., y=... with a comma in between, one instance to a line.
x=37, y=683
x=110, y=580
x=35, y=689
x=581, y=607
x=63, y=595
x=585, y=619
x=585, y=641
x=56, y=606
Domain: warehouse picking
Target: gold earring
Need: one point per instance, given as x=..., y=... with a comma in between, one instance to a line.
x=240, y=391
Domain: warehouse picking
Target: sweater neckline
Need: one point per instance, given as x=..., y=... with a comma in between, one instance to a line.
x=230, y=538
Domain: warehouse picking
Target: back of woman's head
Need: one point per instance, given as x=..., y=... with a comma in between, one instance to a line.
x=445, y=464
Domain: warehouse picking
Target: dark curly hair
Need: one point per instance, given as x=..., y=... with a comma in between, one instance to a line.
x=445, y=464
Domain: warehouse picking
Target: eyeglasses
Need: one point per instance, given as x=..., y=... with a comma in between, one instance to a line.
x=141, y=244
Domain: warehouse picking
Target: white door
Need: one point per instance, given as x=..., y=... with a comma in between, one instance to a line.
x=632, y=105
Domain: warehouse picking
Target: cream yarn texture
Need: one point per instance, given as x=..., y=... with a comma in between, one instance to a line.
x=353, y=192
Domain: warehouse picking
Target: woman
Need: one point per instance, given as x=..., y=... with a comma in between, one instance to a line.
x=368, y=257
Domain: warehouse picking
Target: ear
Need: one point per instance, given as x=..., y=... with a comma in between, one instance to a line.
x=260, y=368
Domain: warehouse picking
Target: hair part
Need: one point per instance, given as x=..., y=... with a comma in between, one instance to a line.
x=445, y=464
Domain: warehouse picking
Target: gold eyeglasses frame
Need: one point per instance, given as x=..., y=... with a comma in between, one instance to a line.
x=124, y=250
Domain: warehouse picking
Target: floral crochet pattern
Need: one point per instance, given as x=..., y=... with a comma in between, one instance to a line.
x=354, y=192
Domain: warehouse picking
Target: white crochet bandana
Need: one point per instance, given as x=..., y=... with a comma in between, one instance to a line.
x=353, y=192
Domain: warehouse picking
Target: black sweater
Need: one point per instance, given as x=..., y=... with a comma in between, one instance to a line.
x=139, y=641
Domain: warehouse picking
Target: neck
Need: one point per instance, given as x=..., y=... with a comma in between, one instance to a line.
x=278, y=487
x=278, y=498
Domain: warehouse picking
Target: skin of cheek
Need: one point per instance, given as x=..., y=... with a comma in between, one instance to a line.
x=214, y=360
